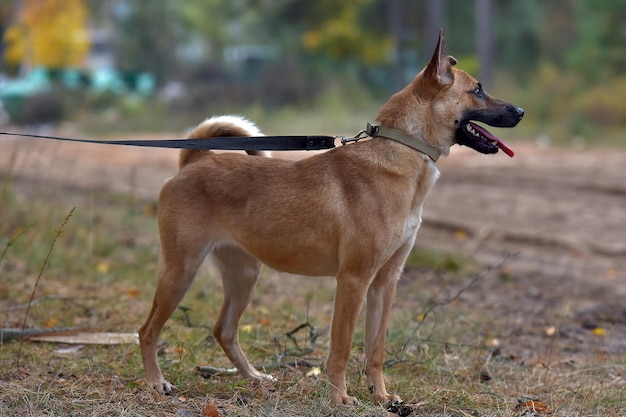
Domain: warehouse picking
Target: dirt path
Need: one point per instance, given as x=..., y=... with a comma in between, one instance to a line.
x=563, y=212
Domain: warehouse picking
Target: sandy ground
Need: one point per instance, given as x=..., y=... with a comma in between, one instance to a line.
x=562, y=212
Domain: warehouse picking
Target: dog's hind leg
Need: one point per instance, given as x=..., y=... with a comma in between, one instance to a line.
x=240, y=273
x=177, y=269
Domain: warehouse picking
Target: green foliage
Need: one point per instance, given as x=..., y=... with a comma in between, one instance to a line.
x=599, y=50
x=603, y=104
x=338, y=33
x=518, y=41
x=564, y=104
x=563, y=57
x=149, y=37
x=468, y=63
x=432, y=259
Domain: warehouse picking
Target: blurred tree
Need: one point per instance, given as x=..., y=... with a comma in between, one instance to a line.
x=353, y=41
x=5, y=12
x=50, y=33
x=517, y=31
x=485, y=41
x=588, y=37
x=215, y=36
x=339, y=29
x=433, y=22
x=600, y=44
x=147, y=35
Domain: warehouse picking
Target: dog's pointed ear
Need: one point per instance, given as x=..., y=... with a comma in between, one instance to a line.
x=439, y=69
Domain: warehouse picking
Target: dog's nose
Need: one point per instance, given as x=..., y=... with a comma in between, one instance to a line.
x=519, y=111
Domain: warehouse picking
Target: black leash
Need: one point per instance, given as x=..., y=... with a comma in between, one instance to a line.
x=247, y=143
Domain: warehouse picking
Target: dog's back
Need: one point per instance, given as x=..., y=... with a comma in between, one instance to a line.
x=219, y=126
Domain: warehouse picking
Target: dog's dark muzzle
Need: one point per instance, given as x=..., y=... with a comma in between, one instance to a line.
x=500, y=114
x=505, y=115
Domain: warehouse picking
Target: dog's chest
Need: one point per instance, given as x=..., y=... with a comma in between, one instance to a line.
x=411, y=225
x=414, y=219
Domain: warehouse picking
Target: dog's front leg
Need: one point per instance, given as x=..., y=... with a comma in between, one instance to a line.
x=351, y=290
x=380, y=297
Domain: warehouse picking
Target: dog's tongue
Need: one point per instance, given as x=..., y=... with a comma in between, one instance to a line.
x=499, y=142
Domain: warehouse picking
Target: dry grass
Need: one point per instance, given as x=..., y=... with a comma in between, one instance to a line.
x=101, y=276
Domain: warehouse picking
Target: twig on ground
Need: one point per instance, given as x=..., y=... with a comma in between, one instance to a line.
x=313, y=334
x=10, y=334
x=434, y=306
x=43, y=267
x=297, y=352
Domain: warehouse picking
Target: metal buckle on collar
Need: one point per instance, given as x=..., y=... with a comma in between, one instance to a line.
x=371, y=130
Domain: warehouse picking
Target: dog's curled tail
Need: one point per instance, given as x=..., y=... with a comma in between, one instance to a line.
x=215, y=127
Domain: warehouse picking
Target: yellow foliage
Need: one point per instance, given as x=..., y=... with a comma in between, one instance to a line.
x=604, y=103
x=343, y=35
x=50, y=33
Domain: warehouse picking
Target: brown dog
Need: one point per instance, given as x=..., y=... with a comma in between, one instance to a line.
x=352, y=212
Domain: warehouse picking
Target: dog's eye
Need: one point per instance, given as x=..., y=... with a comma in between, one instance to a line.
x=479, y=92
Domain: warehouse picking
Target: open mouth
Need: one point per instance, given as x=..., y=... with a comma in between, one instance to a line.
x=480, y=139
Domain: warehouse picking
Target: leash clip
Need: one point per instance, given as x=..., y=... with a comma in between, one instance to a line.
x=362, y=134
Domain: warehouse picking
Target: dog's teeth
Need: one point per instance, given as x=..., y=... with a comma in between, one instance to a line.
x=471, y=130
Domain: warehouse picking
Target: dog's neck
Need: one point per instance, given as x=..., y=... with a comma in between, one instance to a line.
x=399, y=114
x=416, y=142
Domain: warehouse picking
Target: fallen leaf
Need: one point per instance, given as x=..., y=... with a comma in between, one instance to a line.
x=211, y=410
x=102, y=267
x=599, y=331
x=493, y=342
x=51, y=322
x=133, y=293
x=314, y=372
x=532, y=405
x=550, y=330
x=461, y=235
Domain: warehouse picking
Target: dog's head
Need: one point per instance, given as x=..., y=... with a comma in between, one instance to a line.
x=448, y=103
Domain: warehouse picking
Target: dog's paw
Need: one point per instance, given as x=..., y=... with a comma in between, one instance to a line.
x=258, y=376
x=389, y=398
x=382, y=396
x=268, y=377
x=344, y=400
x=349, y=400
x=164, y=387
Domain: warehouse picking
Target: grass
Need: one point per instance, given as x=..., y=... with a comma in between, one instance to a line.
x=101, y=276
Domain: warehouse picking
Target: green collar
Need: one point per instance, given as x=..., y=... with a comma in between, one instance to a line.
x=416, y=142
